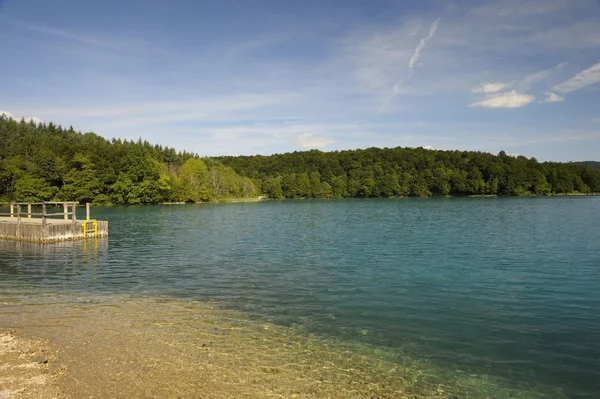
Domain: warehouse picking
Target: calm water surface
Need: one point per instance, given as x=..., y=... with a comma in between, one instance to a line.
x=504, y=288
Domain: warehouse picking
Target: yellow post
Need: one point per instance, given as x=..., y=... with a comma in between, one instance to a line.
x=66, y=211
x=28, y=211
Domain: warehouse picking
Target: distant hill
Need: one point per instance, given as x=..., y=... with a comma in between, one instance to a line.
x=590, y=164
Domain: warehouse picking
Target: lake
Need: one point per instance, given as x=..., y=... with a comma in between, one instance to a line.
x=497, y=294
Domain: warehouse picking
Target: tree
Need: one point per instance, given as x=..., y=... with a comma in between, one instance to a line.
x=33, y=189
x=195, y=179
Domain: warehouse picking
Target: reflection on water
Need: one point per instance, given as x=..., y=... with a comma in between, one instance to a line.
x=50, y=267
x=66, y=249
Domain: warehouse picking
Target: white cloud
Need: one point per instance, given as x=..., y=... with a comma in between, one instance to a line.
x=553, y=98
x=33, y=119
x=511, y=99
x=415, y=57
x=492, y=87
x=583, y=79
x=308, y=140
x=522, y=85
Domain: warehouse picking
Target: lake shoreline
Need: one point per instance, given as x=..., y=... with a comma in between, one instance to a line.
x=125, y=346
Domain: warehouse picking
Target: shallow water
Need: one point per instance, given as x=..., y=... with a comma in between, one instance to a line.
x=497, y=294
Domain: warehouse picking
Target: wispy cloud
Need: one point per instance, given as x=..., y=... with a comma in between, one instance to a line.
x=581, y=80
x=200, y=108
x=511, y=99
x=528, y=81
x=517, y=8
x=412, y=63
x=81, y=39
x=415, y=57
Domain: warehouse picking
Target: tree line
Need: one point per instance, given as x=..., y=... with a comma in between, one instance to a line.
x=48, y=162
x=419, y=172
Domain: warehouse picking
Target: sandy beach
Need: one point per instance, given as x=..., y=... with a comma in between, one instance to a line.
x=162, y=348
x=28, y=368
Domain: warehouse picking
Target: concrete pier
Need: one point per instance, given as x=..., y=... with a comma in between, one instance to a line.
x=21, y=224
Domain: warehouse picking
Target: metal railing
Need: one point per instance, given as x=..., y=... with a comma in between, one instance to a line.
x=17, y=211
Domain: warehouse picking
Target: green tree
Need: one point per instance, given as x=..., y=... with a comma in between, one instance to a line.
x=33, y=189
x=195, y=180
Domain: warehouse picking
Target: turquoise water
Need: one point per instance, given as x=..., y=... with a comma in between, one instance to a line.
x=507, y=288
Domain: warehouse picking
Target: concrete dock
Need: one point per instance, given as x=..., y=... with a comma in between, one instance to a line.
x=21, y=224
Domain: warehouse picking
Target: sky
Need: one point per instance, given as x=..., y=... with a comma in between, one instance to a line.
x=242, y=77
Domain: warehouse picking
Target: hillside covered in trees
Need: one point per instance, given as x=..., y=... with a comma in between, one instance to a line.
x=47, y=162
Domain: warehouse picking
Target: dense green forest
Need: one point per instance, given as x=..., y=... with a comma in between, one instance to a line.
x=392, y=172
x=47, y=162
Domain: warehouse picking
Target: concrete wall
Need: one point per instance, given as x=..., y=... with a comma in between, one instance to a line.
x=51, y=233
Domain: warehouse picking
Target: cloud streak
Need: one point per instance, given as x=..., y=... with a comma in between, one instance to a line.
x=417, y=53
x=581, y=80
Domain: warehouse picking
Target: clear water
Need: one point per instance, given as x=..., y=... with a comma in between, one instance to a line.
x=506, y=289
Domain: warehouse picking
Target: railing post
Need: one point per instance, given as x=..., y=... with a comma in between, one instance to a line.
x=19, y=230
x=12, y=210
x=28, y=211
x=87, y=211
x=74, y=217
x=44, y=215
x=66, y=210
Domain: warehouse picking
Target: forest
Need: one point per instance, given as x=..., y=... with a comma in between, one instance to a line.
x=46, y=162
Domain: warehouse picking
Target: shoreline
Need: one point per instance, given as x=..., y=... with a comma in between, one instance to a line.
x=264, y=198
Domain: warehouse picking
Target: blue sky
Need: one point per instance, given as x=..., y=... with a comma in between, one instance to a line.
x=267, y=76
